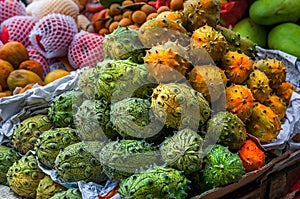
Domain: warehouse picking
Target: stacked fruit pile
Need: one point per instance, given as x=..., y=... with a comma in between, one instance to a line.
x=169, y=113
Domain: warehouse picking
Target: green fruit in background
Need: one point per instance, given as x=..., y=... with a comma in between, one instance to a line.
x=270, y=12
x=285, y=37
x=255, y=32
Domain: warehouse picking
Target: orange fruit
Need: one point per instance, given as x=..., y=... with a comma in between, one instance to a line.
x=54, y=75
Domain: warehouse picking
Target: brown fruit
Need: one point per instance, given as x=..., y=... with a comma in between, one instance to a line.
x=139, y=17
x=103, y=31
x=33, y=66
x=5, y=69
x=151, y=16
x=14, y=52
x=162, y=9
x=125, y=22
x=114, y=9
x=113, y=26
x=127, y=14
x=140, y=1
x=135, y=27
x=176, y=5
x=148, y=9
x=22, y=77
x=127, y=2
x=54, y=75
x=1, y=88
x=118, y=17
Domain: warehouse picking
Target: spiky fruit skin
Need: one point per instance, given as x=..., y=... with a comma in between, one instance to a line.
x=277, y=105
x=273, y=68
x=239, y=100
x=253, y=158
x=238, y=43
x=237, y=66
x=177, y=105
x=208, y=80
x=160, y=30
x=76, y=162
x=7, y=157
x=229, y=130
x=183, y=151
x=123, y=43
x=87, y=80
x=157, y=182
x=122, y=158
x=263, y=123
x=168, y=62
x=221, y=167
x=60, y=110
x=71, y=193
x=131, y=116
x=47, y=188
x=122, y=77
x=258, y=83
x=211, y=40
x=28, y=131
x=285, y=91
x=52, y=141
x=24, y=176
x=92, y=121
x=198, y=13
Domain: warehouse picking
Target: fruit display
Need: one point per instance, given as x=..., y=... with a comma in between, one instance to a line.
x=168, y=102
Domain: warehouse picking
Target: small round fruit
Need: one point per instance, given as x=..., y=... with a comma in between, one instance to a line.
x=103, y=31
x=148, y=9
x=151, y=16
x=139, y=17
x=125, y=22
x=33, y=66
x=127, y=14
x=22, y=77
x=127, y=2
x=113, y=26
x=176, y=5
x=54, y=75
x=162, y=9
x=114, y=9
x=5, y=69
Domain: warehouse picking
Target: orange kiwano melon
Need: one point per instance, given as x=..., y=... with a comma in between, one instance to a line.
x=21, y=78
x=54, y=75
x=14, y=52
x=5, y=69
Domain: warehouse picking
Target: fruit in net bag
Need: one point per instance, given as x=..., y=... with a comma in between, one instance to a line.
x=86, y=50
x=10, y=8
x=17, y=28
x=53, y=34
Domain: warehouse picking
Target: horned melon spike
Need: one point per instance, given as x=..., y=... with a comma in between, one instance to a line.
x=274, y=69
x=258, y=83
x=239, y=100
x=168, y=62
x=197, y=13
x=237, y=66
x=238, y=43
x=211, y=40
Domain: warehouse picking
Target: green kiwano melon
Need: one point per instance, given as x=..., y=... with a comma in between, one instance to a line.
x=24, y=176
x=61, y=109
x=183, y=151
x=76, y=162
x=52, y=141
x=227, y=129
x=7, y=157
x=157, y=182
x=47, y=188
x=27, y=132
x=221, y=167
x=122, y=158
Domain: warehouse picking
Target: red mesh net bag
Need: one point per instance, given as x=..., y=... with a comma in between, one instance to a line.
x=10, y=8
x=17, y=28
x=53, y=34
x=34, y=54
x=85, y=50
